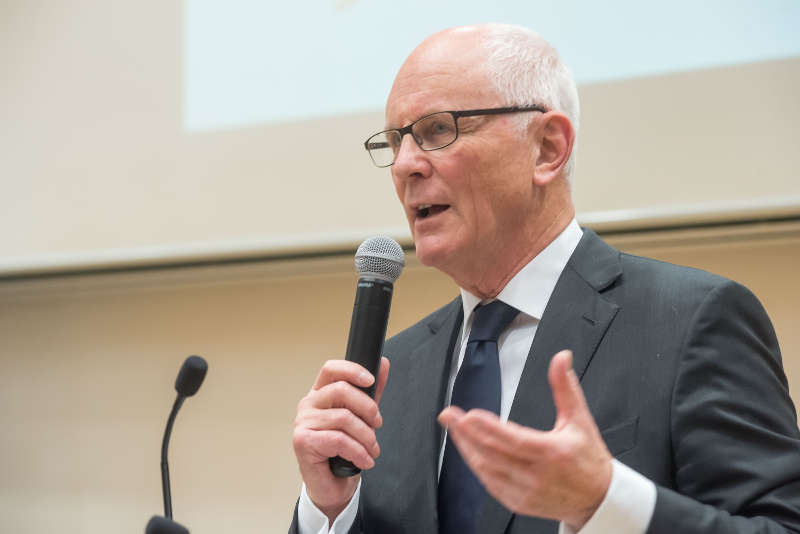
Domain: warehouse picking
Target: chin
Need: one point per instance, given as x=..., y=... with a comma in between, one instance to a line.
x=433, y=252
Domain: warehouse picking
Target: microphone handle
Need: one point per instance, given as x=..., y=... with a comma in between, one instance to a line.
x=365, y=342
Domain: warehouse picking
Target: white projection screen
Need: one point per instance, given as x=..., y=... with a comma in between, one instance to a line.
x=150, y=133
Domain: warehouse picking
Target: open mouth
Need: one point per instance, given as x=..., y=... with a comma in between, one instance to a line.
x=427, y=210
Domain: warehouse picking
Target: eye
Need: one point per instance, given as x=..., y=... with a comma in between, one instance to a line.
x=436, y=130
x=440, y=127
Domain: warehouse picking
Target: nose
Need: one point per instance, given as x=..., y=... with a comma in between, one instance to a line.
x=410, y=160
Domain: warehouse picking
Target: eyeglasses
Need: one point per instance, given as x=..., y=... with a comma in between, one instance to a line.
x=430, y=132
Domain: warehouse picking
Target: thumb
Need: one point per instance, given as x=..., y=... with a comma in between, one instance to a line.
x=567, y=393
x=383, y=376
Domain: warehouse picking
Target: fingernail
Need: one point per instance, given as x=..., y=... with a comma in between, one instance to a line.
x=365, y=378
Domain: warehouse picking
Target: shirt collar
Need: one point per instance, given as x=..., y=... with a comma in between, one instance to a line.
x=530, y=289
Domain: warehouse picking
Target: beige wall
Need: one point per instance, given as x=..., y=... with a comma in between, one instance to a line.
x=97, y=167
x=88, y=365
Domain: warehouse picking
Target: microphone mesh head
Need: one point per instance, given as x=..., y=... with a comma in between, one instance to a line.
x=381, y=257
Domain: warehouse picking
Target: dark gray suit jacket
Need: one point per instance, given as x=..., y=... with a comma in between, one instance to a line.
x=681, y=370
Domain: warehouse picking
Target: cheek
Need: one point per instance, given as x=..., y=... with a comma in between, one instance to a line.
x=499, y=195
x=399, y=188
x=400, y=191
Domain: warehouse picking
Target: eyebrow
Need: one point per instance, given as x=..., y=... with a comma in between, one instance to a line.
x=428, y=111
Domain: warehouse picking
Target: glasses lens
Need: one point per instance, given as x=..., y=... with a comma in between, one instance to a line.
x=435, y=131
x=382, y=147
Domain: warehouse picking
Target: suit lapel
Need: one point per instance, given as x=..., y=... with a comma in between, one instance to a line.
x=430, y=368
x=576, y=318
x=417, y=404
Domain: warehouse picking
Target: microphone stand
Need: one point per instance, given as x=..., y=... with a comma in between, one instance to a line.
x=164, y=465
x=190, y=377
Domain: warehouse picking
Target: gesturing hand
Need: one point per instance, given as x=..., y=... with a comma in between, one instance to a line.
x=337, y=419
x=561, y=474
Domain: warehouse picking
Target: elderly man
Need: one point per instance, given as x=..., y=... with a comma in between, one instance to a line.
x=670, y=414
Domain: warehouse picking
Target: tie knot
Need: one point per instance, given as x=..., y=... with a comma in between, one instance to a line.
x=490, y=321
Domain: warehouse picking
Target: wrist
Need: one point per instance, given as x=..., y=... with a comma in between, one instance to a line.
x=595, y=499
x=312, y=520
x=331, y=512
x=333, y=500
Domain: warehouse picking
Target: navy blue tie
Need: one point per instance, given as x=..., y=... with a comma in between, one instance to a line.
x=477, y=385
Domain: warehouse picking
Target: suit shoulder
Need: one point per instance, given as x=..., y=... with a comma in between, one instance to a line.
x=684, y=290
x=657, y=274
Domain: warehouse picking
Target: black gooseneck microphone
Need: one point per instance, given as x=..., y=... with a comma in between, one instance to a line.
x=379, y=261
x=189, y=379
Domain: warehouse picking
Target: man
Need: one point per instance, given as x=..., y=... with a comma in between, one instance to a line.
x=671, y=413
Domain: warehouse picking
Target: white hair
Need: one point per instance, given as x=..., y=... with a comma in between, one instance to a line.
x=526, y=70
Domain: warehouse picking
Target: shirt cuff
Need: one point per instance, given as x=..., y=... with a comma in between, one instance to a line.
x=311, y=520
x=627, y=507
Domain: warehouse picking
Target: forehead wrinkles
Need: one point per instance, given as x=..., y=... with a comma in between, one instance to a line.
x=417, y=93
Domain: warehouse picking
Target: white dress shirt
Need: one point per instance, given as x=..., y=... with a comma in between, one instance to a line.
x=630, y=499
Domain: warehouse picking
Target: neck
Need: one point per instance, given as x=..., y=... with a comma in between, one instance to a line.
x=488, y=276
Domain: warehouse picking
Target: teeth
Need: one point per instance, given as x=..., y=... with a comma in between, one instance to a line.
x=424, y=207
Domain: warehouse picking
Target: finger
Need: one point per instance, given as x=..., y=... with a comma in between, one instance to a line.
x=337, y=370
x=450, y=415
x=506, y=477
x=344, y=395
x=325, y=444
x=567, y=393
x=484, y=458
x=487, y=431
x=383, y=376
x=344, y=421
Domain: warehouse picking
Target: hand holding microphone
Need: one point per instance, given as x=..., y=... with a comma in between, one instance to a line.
x=334, y=435
x=379, y=261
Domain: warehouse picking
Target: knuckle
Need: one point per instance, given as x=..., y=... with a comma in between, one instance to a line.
x=300, y=439
x=341, y=388
x=341, y=418
x=339, y=440
x=302, y=419
x=327, y=368
x=301, y=404
x=309, y=401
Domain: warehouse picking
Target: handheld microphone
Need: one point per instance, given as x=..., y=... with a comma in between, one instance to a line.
x=379, y=261
x=189, y=379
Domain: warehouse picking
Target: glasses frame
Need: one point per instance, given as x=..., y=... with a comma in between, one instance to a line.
x=456, y=115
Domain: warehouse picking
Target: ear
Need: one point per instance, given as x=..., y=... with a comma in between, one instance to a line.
x=557, y=138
